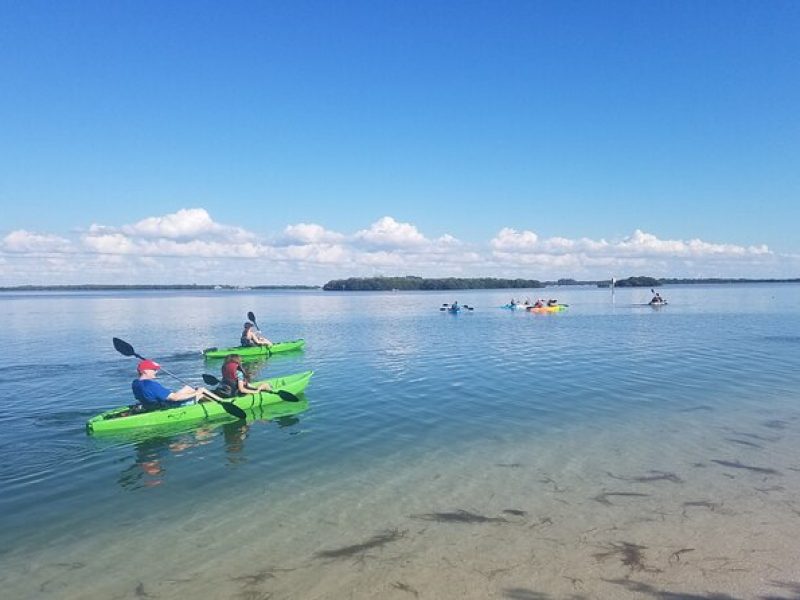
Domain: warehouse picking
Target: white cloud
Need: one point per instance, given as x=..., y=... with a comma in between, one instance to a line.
x=316, y=253
x=311, y=233
x=186, y=223
x=508, y=239
x=189, y=244
x=388, y=233
x=22, y=241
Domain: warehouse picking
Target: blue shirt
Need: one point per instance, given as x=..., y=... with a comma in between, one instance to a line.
x=150, y=392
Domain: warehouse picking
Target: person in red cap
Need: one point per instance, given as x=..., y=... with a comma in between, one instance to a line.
x=154, y=396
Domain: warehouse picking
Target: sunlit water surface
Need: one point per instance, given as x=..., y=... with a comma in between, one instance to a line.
x=486, y=454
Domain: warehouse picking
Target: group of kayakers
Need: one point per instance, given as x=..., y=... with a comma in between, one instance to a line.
x=540, y=303
x=152, y=395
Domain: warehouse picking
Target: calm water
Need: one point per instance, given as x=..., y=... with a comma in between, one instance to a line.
x=412, y=412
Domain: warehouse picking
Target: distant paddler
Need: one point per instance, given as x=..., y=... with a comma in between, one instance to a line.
x=252, y=337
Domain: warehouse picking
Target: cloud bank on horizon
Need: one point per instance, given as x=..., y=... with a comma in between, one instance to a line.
x=188, y=246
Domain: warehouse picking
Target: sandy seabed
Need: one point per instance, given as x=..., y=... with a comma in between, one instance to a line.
x=669, y=509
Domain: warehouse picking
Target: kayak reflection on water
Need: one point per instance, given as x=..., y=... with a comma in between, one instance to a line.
x=236, y=433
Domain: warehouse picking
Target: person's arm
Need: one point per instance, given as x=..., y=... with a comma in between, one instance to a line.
x=262, y=339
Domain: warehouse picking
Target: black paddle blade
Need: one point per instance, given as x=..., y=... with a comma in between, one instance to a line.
x=251, y=316
x=287, y=396
x=233, y=410
x=210, y=379
x=123, y=347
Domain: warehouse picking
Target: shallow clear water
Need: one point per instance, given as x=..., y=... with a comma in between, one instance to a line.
x=412, y=411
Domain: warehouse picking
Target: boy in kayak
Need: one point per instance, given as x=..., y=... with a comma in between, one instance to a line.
x=154, y=396
x=251, y=337
x=657, y=299
x=235, y=381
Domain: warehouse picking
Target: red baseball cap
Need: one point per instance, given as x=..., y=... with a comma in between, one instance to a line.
x=148, y=365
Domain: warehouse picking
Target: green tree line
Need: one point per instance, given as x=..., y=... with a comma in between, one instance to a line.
x=367, y=284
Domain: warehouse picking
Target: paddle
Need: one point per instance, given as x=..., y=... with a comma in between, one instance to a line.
x=126, y=349
x=660, y=299
x=284, y=395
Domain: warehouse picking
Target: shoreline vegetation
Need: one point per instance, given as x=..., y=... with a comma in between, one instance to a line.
x=407, y=283
x=411, y=282
x=360, y=284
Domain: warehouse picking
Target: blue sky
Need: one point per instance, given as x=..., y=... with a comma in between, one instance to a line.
x=295, y=142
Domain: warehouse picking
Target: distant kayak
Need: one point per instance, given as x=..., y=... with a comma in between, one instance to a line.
x=517, y=306
x=547, y=309
x=456, y=308
x=255, y=350
x=126, y=418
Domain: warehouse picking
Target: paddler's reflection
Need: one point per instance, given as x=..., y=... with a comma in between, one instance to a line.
x=148, y=469
x=234, y=435
x=151, y=455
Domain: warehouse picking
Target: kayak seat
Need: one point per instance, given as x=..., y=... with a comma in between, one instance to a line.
x=133, y=409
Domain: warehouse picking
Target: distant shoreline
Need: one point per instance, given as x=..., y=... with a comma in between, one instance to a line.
x=168, y=287
x=413, y=283
x=390, y=284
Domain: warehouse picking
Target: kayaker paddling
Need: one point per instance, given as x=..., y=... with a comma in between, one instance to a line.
x=154, y=396
x=235, y=381
x=252, y=337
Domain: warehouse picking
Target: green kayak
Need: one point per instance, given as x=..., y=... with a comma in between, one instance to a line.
x=121, y=419
x=266, y=412
x=254, y=350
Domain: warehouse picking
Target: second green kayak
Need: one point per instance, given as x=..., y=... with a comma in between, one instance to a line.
x=254, y=350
